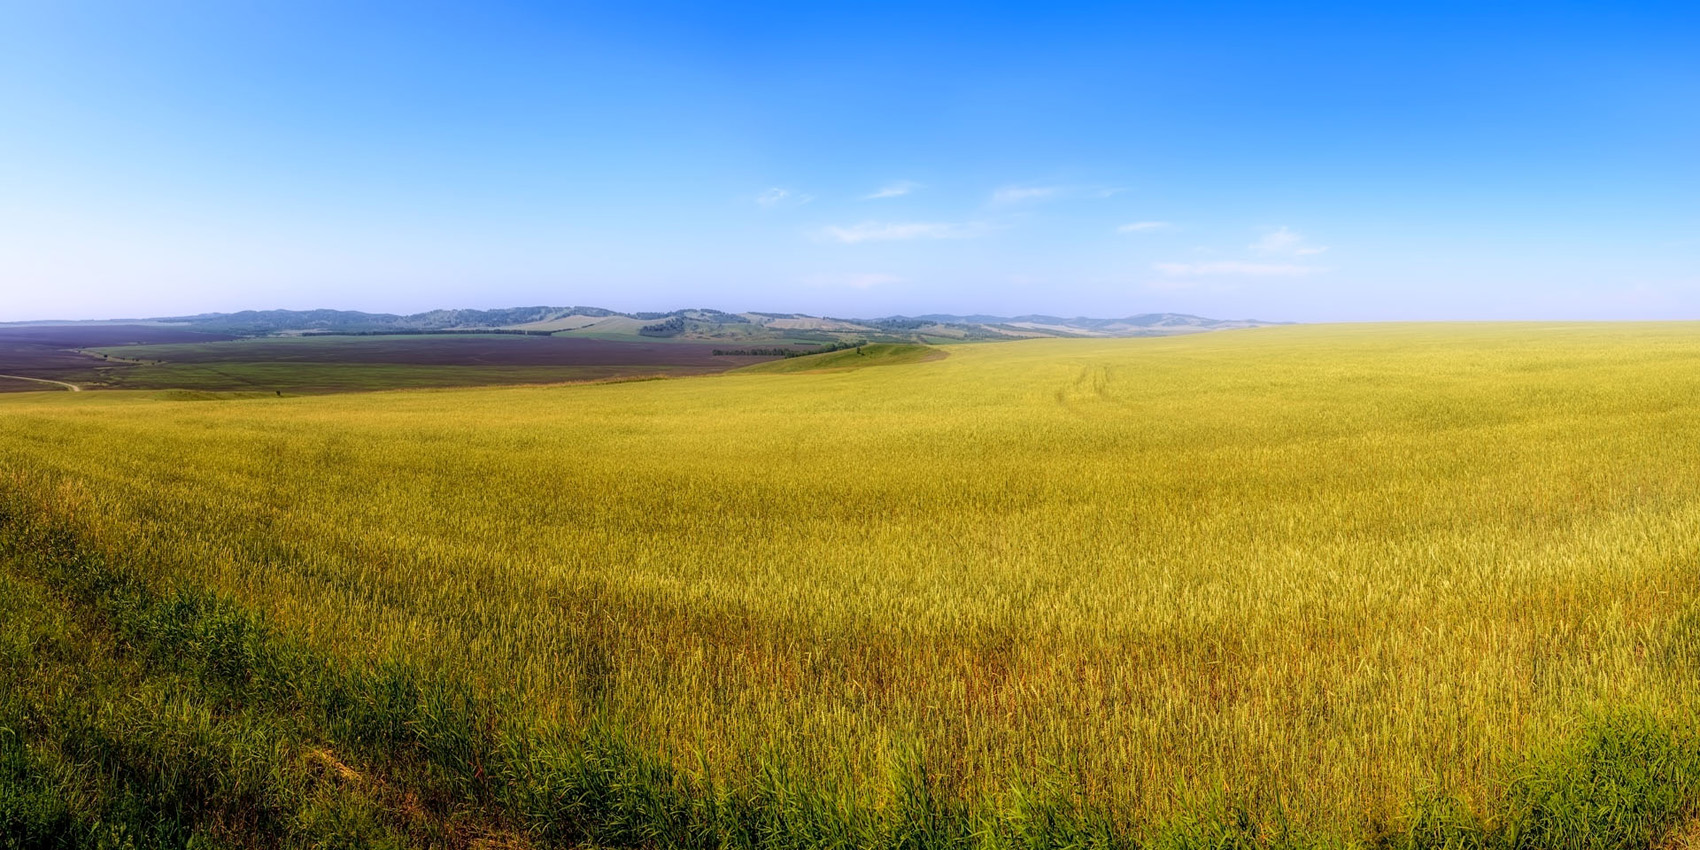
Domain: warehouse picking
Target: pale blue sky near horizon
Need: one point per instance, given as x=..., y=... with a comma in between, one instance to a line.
x=1300, y=162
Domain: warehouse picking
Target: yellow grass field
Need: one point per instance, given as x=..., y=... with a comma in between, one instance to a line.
x=1308, y=580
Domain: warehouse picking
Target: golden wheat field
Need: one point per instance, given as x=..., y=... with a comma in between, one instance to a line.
x=1315, y=573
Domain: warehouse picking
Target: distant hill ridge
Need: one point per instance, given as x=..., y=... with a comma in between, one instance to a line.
x=702, y=323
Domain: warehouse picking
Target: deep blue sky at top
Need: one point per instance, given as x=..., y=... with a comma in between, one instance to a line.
x=1287, y=161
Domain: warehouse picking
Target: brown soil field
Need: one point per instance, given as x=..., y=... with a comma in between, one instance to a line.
x=50, y=351
x=452, y=350
x=40, y=361
x=144, y=357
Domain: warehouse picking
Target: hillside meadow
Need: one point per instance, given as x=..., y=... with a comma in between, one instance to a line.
x=1392, y=585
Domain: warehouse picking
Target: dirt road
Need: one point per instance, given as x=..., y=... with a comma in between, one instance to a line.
x=72, y=387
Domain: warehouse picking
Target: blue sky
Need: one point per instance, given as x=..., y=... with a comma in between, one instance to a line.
x=1304, y=162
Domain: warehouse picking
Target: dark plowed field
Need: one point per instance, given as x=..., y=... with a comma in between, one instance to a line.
x=447, y=350
x=141, y=357
x=40, y=361
x=49, y=352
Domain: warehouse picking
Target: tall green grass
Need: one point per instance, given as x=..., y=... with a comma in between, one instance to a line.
x=1422, y=587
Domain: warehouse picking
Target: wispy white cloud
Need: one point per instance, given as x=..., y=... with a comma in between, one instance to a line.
x=893, y=190
x=775, y=196
x=1235, y=268
x=1284, y=242
x=1142, y=226
x=1023, y=194
x=889, y=231
x=1008, y=195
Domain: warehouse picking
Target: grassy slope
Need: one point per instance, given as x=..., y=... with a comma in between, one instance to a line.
x=1227, y=585
x=876, y=354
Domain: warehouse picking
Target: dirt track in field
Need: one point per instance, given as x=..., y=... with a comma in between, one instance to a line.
x=72, y=387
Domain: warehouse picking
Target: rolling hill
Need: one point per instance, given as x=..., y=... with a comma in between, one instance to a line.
x=698, y=324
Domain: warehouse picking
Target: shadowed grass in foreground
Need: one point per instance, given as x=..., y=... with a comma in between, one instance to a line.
x=131, y=719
